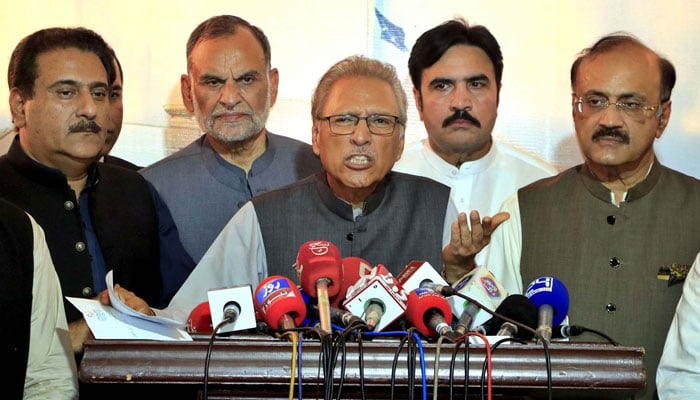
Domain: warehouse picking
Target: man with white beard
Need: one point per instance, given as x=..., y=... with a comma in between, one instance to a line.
x=230, y=88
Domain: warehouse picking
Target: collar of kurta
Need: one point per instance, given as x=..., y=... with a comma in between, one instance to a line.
x=596, y=188
x=344, y=209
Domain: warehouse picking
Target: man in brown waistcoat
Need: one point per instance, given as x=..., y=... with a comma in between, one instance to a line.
x=611, y=228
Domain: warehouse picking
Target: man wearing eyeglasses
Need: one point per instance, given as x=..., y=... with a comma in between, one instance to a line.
x=357, y=202
x=612, y=228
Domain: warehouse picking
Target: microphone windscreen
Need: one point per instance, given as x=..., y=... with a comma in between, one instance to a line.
x=277, y=296
x=317, y=260
x=420, y=301
x=518, y=308
x=550, y=290
x=199, y=320
x=354, y=268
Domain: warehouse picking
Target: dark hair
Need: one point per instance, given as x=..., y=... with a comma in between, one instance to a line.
x=432, y=44
x=224, y=25
x=119, y=66
x=23, y=69
x=612, y=41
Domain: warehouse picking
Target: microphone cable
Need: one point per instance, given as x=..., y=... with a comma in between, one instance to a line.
x=406, y=336
x=567, y=331
x=229, y=317
x=294, y=337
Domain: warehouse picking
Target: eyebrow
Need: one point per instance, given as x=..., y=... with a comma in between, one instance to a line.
x=473, y=78
x=73, y=82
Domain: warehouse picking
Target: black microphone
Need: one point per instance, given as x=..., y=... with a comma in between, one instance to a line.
x=567, y=331
x=518, y=308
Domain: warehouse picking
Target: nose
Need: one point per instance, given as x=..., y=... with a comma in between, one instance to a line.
x=87, y=106
x=461, y=98
x=362, y=135
x=230, y=94
x=611, y=116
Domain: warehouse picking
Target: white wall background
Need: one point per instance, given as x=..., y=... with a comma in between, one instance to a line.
x=539, y=40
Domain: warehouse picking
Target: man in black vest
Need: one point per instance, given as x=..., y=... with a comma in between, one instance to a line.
x=97, y=217
x=34, y=339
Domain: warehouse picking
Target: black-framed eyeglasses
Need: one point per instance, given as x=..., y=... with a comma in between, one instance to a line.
x=378, y=124
x=589, y=105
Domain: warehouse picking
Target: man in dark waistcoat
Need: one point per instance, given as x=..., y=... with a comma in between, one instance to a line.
x=357, y=203
x=614, y=227
x=97, y=217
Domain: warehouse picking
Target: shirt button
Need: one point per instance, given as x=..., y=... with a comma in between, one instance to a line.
x=615, y=262
x=68, y=205
x=349, y=237
x=87, y=292
x=611, y=219
x=610, y=307
x=80, y=246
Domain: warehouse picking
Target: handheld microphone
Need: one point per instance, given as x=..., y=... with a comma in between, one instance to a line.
x=319, y=267
x=233, y=305
x=280, y=303
x=480, y=286
x=567, y=331
x=199, y=320
x=428, y=311
x=378, y=297
x=517, y=308
x=420, y=274
x=338, y=317
x=354, y=269
x=552, y=301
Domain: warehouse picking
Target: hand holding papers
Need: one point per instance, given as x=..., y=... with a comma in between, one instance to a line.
x=118, y=321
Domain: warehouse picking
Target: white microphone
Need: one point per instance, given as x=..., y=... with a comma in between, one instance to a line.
x=378, y=298
x=481, y=286
x=234, y=304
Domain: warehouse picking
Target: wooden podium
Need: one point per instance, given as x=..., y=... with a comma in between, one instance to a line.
x=252, y=367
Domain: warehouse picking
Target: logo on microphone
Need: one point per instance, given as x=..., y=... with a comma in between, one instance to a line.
x=319, y=248
x=490, y=286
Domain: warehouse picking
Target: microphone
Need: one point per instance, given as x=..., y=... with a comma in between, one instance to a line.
x=552, y=301
x=420, y=274
x=354, y=269
x=480, y=286
x=338, y=317
x=426, y=311
x=233, y=305
x=319, y=267
x=378, y=297
x=280, y=303
x=199, y=320
x=567, y=331
x=517, y=308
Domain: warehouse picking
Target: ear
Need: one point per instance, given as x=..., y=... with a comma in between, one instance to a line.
x=419, y=102
x=274, y=84
x=17, y=106
x=186, y=92
x=402, y=141
x=315, y=132
x=664, y=118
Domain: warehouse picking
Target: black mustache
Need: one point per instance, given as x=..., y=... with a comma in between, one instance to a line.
x=85, y=126
x=463, y=115
x=612, y=132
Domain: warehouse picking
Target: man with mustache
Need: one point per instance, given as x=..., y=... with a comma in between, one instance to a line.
x=97, y=217
x=230, y=87
x=456, y=71
x=358, y=114
x=613, y=228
